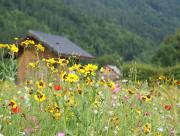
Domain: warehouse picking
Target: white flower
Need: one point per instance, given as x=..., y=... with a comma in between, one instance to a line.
x=160, y=129
x=27, y=100
x=117, y=128
x=18, y=92
x=70, y=89
x=115, y=132
x=22, y=133
x=114, y=104
x=110, y=113
x=95, y=111
x=114, y=97
x=11, y=79
x=50, y=84
x=26, y=88
x=65, y=97
x=102, y=78
x=178, y=105
x=118, y=104
x=1, y=134
x=155, y=108
x=124, y=81
x=106, y=128
x=100, y=94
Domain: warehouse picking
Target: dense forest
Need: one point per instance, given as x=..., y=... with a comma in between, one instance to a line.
x=128, y=29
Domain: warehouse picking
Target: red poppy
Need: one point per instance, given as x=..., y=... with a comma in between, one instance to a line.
x=57, y=87
x=167, y=107
x=15, y=110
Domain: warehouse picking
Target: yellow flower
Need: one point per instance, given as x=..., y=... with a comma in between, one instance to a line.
x=74, y=67
x=34, y=65
x=97, y=102
x=90, y=69
x=70, y=101
x=50, y=60
x=115, y=120
x=40, y=84
x=39, y=96
x=27, y=42
x=102, y=82
x=3, y=46
x=147, y=98
x=63, y=76
x=147, y=128
x=79, y=89
x=49, y=109
x=40, y=47
x=57, y=115
x=12, y=104
x=138, y=112
x=62, y=62
x=28, y=82
x=162, y=78
x=56, y=108
x=111, y=84
x=71, y=77
x=54, y=70
x=130, y=91
x=13, y=48
x=89, y=81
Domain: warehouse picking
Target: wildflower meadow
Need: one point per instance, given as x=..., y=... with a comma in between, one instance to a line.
x=64, y=97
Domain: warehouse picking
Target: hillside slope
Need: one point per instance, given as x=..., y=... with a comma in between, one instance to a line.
x=127, y=28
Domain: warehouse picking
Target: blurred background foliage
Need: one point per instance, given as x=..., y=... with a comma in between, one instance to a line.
x=116, y=31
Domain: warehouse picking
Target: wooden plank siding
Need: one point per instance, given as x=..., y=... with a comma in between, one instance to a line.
x=27, y=56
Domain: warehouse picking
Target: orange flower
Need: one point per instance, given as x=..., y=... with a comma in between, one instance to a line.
x=15, y=109
x=167, y=107
x=177, y=83
x=57, y=87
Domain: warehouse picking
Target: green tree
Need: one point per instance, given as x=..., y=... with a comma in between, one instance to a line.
x=169, y=51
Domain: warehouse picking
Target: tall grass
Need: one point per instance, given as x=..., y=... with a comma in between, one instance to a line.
x=76, y=102
x=8, y=67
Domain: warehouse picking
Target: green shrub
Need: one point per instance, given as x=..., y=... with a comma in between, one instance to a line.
x=173, y=72
x=8, y=67
x=134, y=71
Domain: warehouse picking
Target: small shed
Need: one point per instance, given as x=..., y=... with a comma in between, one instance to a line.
x=111, y=72
x=55, y=46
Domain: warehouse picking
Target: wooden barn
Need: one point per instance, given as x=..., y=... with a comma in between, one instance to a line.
x=55, y=46
x=111, y=72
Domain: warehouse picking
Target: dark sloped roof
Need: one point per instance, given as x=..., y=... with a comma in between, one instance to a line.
x=59, y=44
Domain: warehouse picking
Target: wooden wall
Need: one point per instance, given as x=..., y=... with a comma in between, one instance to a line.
x=25, y=57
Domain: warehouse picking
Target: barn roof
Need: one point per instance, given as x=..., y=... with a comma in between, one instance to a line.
x=115, y=69
x=59, y=44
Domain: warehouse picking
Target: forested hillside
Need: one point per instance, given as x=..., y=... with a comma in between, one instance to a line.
x=131, y=29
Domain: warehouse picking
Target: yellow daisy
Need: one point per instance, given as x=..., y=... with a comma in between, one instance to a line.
x=40, y=84
x=39, y=96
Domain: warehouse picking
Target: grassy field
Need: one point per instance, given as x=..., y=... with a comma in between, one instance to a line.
x=75, y=101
